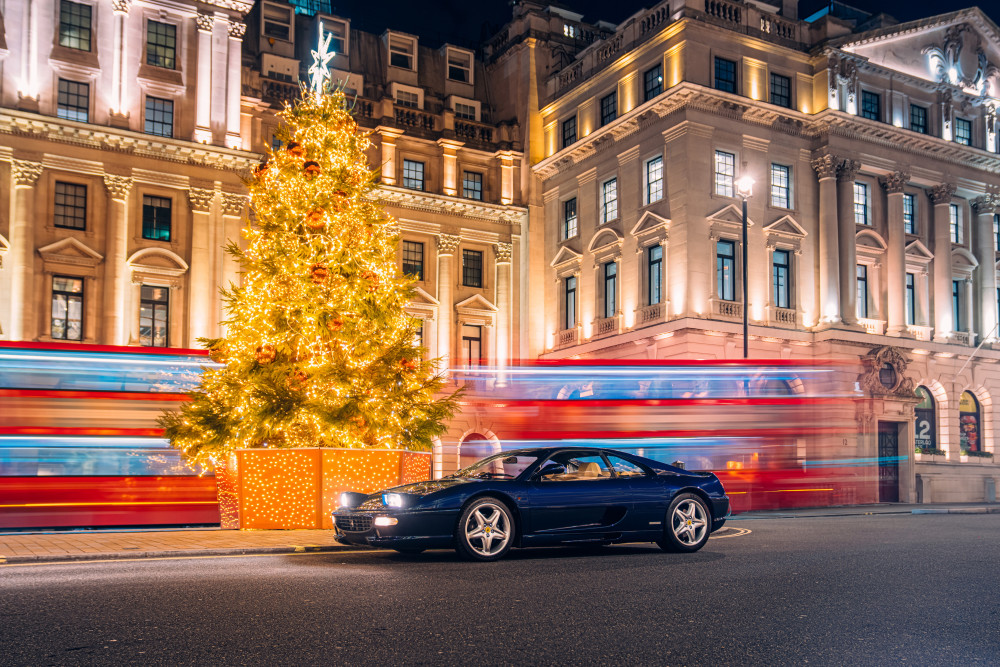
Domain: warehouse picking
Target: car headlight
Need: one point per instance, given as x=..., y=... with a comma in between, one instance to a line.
x=392, y=500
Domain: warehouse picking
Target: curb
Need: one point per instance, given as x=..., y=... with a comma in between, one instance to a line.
x=178, y=553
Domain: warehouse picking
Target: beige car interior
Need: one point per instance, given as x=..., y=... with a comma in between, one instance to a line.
x=586, y=470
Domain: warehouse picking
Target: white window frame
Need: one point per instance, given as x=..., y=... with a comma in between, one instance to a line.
x=788, y=186
x=344, y=28
x=857, y=188
x=455, y=100
x=563, y=219
x=728, y=189
x=397, y=88
x=955, y=231
x=914, y=227
x=288, y=21
x=395, y=44
x=469, y=68
x=605, y=201
x=648, y=197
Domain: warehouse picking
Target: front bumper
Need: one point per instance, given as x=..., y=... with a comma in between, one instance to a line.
x=423, y=530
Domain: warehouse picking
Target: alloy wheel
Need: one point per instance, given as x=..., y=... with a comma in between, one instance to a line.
x=487, y=530
x=689, y=522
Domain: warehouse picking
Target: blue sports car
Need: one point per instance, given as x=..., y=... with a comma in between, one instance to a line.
x=540, y=497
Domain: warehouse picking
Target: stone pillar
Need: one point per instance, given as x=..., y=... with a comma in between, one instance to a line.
x=24, y=175
x=847, y=170
x=201, y=292
x=449, y=166
x=984, y=208
x=503, y=302
x=115, y=271
x=232, y=216
x=944, y=325
x=506, y=176
x=119, y=73
x=896, y=253
x=28, y=86
x=233, y=85
x=447, y=244
x=203, y=101
x=134, y=305
x=389, y=136
x=827, y=246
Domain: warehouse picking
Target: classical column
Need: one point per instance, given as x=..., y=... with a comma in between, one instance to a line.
x=115, y=278
x=24, y=175
x=134, y=306
x=201, y=292
x=896, y=253
x=232, y=214
x=28, y=86
x=847, y=170
x=829, y=268
x=119, y=63
x=984, y=208
x=506, y=159
x=449, y=165
x=944, y=324
x=446, y=245
x=503, y=253
x=389, y=136
x=203, y=101
x=233, y=85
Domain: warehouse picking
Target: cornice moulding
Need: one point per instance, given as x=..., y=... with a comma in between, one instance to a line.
x=433, y=203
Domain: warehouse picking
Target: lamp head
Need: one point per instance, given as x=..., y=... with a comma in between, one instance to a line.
x=744, y=186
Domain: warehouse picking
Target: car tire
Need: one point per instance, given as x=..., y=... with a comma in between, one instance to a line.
x=485, y=531
x=687, y=524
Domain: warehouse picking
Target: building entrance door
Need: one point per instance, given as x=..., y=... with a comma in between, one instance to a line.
x=888, y=462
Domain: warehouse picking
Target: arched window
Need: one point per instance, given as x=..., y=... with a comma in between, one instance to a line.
x=925, y=431
x=474, y=447
x=968, y=423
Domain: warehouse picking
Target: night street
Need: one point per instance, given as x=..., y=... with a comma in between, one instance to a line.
x=882, y=589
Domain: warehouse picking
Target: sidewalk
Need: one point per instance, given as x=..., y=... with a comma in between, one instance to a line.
x=61, y=546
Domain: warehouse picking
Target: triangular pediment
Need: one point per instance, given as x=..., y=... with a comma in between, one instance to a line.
x=650, y=222
x=564, y=256
x=786, y=226
x=421, y=297
x=70, y=251
x=476, y=302
x=918, y=250
x=730, y=215
x=962, y=258
x=866, y=238
x=604, y=238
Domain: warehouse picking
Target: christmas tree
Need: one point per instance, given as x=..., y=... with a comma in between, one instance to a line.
x=319, y=350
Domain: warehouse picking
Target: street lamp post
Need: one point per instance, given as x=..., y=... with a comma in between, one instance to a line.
x=744, y=188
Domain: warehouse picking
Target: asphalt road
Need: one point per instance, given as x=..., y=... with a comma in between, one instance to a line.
x=859, y=590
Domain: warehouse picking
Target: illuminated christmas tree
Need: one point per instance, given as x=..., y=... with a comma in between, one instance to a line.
x=319, y=350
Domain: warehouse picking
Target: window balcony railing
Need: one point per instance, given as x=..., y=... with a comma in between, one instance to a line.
x=874, y=327
x=782, y=317
x=919, y=332
x=568, y=337
x=730, y=310
x=648, y=315
x=963, y=337
x=607, y=326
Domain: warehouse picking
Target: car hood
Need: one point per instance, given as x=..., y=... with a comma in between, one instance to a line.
x=430, y=486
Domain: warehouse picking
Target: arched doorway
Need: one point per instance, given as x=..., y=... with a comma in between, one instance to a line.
x=969, y=423
x=474, y=446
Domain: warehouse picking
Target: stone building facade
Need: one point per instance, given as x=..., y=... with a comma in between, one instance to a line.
x=872, y=227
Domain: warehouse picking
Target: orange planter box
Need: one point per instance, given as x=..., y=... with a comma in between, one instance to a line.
x=299, y=488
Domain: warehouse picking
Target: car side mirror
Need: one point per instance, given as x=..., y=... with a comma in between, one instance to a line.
x=551, y=469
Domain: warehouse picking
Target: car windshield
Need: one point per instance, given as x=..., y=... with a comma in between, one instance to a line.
x=507, y=465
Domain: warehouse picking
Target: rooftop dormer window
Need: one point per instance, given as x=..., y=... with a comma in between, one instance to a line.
x=278, y=22
x=459, y=65
x=402, y=52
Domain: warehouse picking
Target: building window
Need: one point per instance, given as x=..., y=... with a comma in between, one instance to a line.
x=925, y=432
x=963, y=131
x=996, y=232
x=277, y=22
x=781, y=270
x=569, y=302
x=918, y=119
x=472, y=185
x=654, y=271
x=73, y=101
x=154, y=313
x=654, y=179
x=67, y=308
x=401, y=52
x=159, y=117
x=780, y=186
x=609, y=200
x=861, y=203
x=956, y=303
x=161, y=44
x=472, y=268
x=911, y=299
x=472, y=345
x=610, y=288
x=871, y=105
x=413, y=259
x=71, y=206
x=725, y=75
x=156, y=218
x=781, y=90
x=569, y=30
x=725, y=269
x=570, y=226
x=862, y=291
x=338, y=32
x=652, y=82
x=954, y=223
x=609, y=108
x=406, y=98
x=413, y=174
x=459, y=66
x=569, y=132
x=74, y=25
x=725, y=173
x=968, y=423
x=465, y=111
x=909, y=214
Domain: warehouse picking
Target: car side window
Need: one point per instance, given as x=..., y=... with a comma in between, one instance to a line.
x=570, y=466
x=625, y=468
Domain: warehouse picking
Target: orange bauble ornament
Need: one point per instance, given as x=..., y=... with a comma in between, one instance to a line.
x=295, y=149
x=297, y=381
x=219, y=353
x=266, y=354
x=314, y=220
x=318, y=273
x=310, y=170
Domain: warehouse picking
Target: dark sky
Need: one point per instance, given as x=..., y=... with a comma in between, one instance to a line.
x=468, y=22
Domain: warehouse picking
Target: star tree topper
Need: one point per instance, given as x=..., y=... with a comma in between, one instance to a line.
x=319, y=71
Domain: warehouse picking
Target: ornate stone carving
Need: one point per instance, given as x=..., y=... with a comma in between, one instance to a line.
x=895, y=182
x=848, y=169
x=25, y=172
x=503, y=252
x=884, y=373
x=118, y=186
x=846, y=74
x=941, y=194
x=447, y=243
x=960, y=60
x=233, y=203
x=205, y=22
x=986, y=204
x=825, y=166
x=201, y=200
x=121, y=6
x=236, y=30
